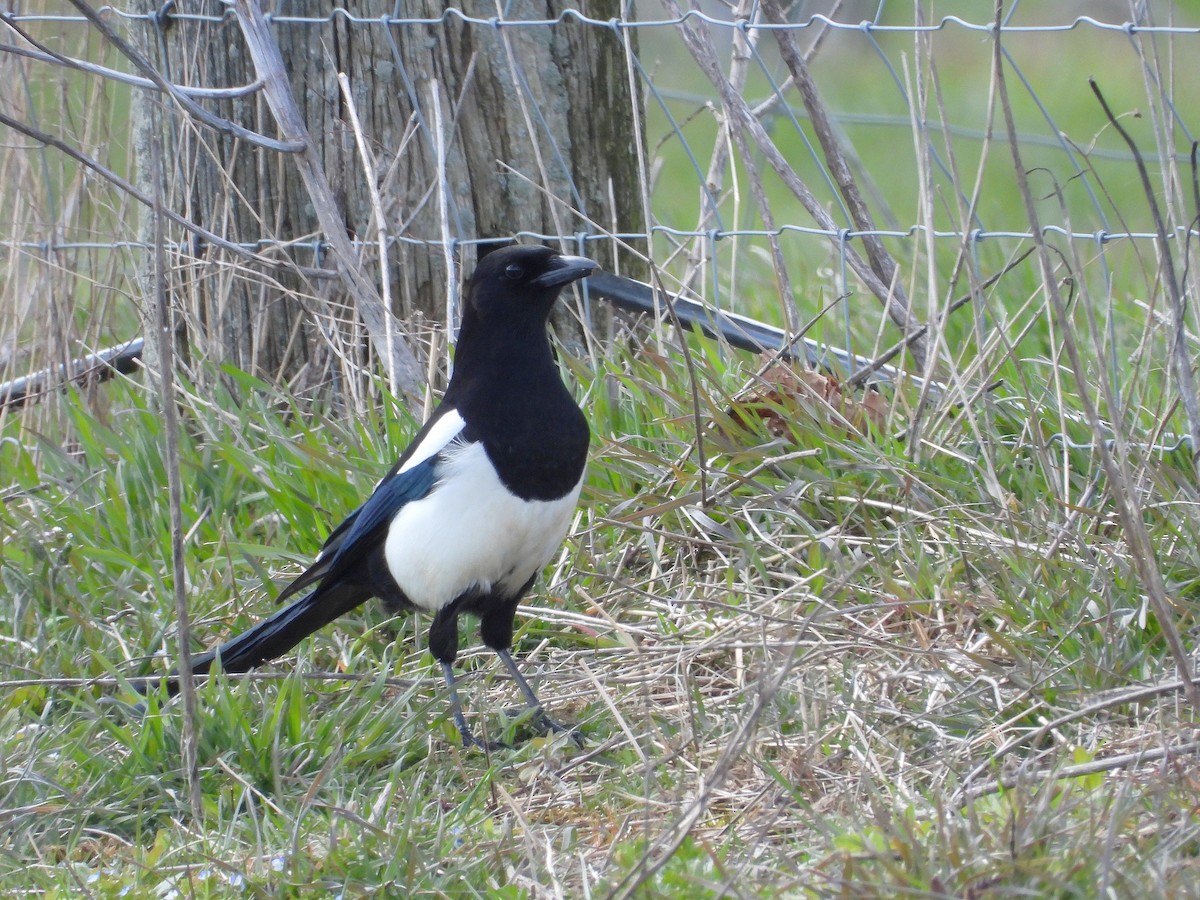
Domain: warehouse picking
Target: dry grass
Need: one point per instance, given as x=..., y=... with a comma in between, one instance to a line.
x=915, y=652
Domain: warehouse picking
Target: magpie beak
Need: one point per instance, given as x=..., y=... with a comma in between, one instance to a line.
x=564, y=270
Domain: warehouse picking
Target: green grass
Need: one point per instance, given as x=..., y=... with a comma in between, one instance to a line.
x=915, y=602
x=882, y=665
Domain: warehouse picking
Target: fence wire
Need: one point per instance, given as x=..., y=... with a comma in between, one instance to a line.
x=870, y=30
x=892, y=66
x=877, y=24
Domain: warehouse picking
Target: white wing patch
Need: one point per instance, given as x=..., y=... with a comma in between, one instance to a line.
x=472, y=532
x=444, y=430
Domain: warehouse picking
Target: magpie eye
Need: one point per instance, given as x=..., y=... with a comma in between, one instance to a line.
x=514, y=272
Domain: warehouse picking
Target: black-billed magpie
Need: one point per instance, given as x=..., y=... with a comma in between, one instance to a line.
x=479, y=502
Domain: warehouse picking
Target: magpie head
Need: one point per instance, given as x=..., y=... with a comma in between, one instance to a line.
x=519, y=282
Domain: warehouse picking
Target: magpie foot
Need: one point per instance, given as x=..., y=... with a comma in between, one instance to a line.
x=542, y=724
x=469, y=741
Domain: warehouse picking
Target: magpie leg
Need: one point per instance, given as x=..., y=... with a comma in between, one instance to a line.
x=468, y=739
x=533, y=702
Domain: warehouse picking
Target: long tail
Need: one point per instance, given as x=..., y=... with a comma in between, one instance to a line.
x=276, y=634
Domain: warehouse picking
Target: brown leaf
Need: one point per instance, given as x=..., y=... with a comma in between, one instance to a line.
x=784, y=393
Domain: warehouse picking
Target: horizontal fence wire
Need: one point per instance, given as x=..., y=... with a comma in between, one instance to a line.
x=816, y=20
x=867, y=27
x=318, y=249
x=713, y=235
x=769, y=100
x=663, y=94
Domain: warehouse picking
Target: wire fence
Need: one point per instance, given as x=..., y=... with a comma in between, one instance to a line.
x=818, y=627
x=911, y=96
x=877, y=24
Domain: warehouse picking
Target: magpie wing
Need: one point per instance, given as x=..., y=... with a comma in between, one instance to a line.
x=364, y=528
x=411, y=478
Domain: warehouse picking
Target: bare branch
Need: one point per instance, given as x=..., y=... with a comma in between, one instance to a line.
x=1129, y=513
x=42, y=53
x=1179, y=354
x=1134, y=695
x=225, y=126
x=1095, y=766
x=750, y=128
x=860, y=377
x=881, y=261
x=386, y=332
x=165, y=340
x=108, y=174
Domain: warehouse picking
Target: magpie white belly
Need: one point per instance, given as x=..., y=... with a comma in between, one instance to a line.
x=472, y=533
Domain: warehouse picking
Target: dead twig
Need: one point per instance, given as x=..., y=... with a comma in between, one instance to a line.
x=1114, y=460
x=225, y=126
x=749, y=128
x=881, y=261
x=1122, y=698
x=127, y=187
x=386, y=332
x=1179, y=354
x=166, y=392
x=1095, y=766
x=859, y=378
